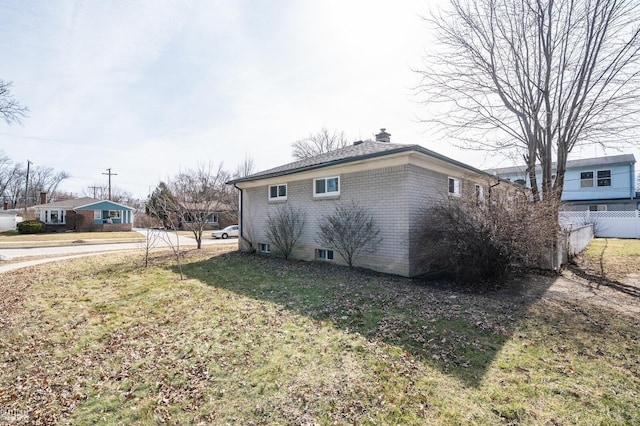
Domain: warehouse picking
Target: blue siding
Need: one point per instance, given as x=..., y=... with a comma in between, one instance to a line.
x=622, y=185
x=622, y=182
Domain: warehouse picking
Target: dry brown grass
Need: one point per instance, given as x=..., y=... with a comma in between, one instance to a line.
x=256, y=340
x=13, y=239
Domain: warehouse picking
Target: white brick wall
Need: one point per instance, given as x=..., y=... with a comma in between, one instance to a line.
x=395, y=196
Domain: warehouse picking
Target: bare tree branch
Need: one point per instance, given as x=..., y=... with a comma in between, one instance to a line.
x=10, y=109
x=318, y=143
x=535, y=76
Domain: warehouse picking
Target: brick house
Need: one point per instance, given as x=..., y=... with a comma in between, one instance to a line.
x=84, y=215
x=394, y=182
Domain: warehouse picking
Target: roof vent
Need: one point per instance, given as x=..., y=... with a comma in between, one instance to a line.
x=357, y=143
x=383, y=136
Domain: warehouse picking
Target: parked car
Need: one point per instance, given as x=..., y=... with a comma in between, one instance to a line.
x=229, y=231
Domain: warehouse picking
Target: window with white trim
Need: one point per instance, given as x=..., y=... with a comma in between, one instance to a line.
x=97, y=214
x=597, y=207
x=479, y=192
x=278, y=192
x=454, y=187
x=586, y=180
x=53, y=217
x=604, y=177
x=114, y=214
x=322, y=254
x=264, y=248
x=326, y=186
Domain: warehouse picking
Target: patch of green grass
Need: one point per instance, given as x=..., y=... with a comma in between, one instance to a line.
x=252, y=340
x=613, y=260
x=613, y=247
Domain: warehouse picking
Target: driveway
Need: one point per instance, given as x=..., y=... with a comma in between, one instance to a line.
x=159, y=239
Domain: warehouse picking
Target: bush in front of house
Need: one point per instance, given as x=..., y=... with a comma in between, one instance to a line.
x=284, y=228
x=31, y=227
x=483, y=241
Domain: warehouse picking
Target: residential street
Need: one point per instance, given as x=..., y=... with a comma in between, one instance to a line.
x=66, y=252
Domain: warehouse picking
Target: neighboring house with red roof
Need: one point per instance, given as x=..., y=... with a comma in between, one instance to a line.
x=85, y=215
x=395, y=182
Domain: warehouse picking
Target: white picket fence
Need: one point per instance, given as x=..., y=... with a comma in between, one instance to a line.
x=609, y=224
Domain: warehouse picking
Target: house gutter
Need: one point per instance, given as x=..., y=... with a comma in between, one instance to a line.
x=240, y=211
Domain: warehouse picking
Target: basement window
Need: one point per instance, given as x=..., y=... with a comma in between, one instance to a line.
x=264, y=248
x=322, y=254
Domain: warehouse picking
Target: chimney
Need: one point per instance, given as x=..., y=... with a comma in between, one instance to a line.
x=43, y=198
x=383, y=136
x=6, y=205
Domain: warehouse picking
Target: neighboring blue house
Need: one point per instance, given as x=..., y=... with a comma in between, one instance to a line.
x=595, y=184
x=85, y=215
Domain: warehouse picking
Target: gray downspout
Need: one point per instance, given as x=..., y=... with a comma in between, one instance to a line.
x=240, y=209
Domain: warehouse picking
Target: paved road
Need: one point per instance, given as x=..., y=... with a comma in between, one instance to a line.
x=160, y=238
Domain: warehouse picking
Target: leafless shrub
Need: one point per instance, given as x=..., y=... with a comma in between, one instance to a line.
x=350, y=231
x=152, y=236
x=485, y=241
x=284, y=228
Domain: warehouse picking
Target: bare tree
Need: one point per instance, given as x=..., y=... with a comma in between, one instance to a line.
x=118, y=195
x=44, y=179
x=152, y=236
x=160, y=208
x=537, y=77
x=246, y=168
x=10, y=109
x=318, y=143
x=9, y=171
x=284, y=228
x=350, y=231
x=201, y=195
x=41, y=179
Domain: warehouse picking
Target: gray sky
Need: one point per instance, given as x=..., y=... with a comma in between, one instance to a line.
x=148, y=88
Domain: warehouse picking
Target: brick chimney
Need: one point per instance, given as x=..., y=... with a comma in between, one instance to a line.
x=43, y=198
x=383, y=136
x=6, y=205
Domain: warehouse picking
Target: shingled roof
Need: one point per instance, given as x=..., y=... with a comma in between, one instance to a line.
x=68, y=204
x=356, y=152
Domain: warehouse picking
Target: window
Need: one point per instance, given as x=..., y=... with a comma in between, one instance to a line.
x=114, y=214
x=597, y=207
x=326, y=186
x=264, y=248
x=479, y=192
x=454, y=187
x=278, y=192
x=604, y=177
x=52, y=217
x=324, y=254
x=97, y=214
x=586, y=179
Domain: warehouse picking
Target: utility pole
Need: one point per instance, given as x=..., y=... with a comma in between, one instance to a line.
x=26, y=190
x=110, y=174
x=94, y=189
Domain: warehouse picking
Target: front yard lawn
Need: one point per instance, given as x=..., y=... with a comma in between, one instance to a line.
x=254, y=340
x=12, y=239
